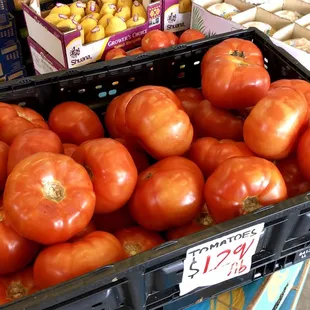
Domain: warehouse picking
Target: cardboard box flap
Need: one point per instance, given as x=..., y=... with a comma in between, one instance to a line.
x=242, y=6
x=304, y=21
x=293, y=31
x=260, y=15
x=273, y=6
x=35, y=5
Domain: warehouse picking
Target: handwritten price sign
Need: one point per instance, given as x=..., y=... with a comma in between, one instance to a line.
x=220, y=260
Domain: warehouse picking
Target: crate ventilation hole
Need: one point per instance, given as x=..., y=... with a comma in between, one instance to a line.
x=196, y=63
x=98, y=87
x=103, y=94
x=81, y=91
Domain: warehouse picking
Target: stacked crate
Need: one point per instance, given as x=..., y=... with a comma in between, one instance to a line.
x=11, y=62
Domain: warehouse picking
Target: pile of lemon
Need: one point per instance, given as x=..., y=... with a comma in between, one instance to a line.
x=97, y=19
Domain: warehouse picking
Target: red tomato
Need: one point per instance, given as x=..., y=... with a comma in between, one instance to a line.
x=274, y=124
x=234, y=47
x=4, y=153
x=15, y=120
x=300, y=85
x=17, y=285
x=91, y=227
x=295, y=182
x=174, y=40
x=303, y=154
x=189, y=93
x=15, y=251
x=241, y=185
x=115, y=119
x=210, y=121
x=138, y=155
x=209, y=153
x=65, y=261
x=232, y=83
x=114, y=221
x=136, y=51
x=112, y=171
x=32, y=116
x=154, y=40
x=48, y=198
x=158, y=124
x=191, y=35
x=112, y=54
x=185, y=230
x=30, y=142
x=190, y=98
x=75, y=123
x=135, y=240
x=202, y=221
x=168, y=194
x=69, y=149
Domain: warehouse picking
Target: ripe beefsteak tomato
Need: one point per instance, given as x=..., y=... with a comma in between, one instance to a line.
x=48, y=198
x=190, y=35
x=17, y=285
x=209, y=153
x=138, y=155
x=4, y=153
x=15, y=120
x=241, y=185
x=15, y=251
x=64, y=261
x=112, y=171
x=201, y=222
x=154, y=40
x=158, y=124
x=75, y=123
x=115, y=118
x=69, y=148
x=275, y=123
x=303, y=154
x=33, y=141
x=296, y=183
x=174, y=40
x=135, y=240
x=209, y=121
x=168, y=194
x=231, y=82
x=190, y=98
x=114, y=221
x=236, y=47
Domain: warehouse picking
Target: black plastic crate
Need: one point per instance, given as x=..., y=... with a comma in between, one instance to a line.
x=150, y=280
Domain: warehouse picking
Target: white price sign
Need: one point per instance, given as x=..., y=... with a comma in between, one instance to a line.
x=220, y=260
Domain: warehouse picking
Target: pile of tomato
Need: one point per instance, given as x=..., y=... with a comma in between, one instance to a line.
x=155, y=40
x=76, y=198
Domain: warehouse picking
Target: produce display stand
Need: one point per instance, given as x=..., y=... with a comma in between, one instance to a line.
x=151, y=280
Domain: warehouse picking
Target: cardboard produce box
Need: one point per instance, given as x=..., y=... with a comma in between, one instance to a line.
x=10, y=59
x=293, y=31
x=68, y=49
x=176, y=15
x=304, y=21
x=211, y=24
x=300, y=7
x=266, y=293
x=8, y=34
x=43, y=62
x=260, y=15
x=17, y=74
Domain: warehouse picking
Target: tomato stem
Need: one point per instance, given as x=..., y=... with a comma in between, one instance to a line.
x=16, y=290
x=53, y=190
x=238, y=54
x=133, y=248
x=250, y=204
x=204, y=219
